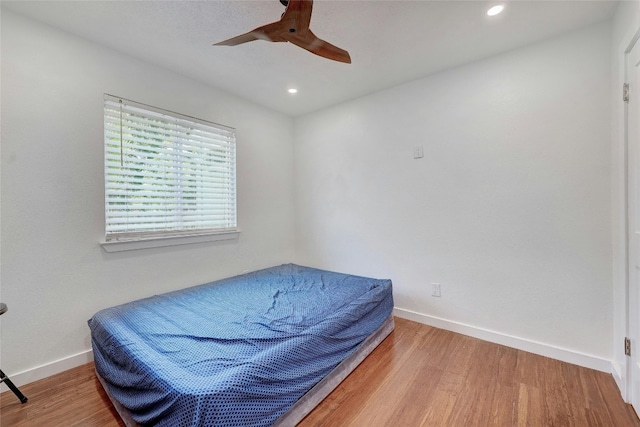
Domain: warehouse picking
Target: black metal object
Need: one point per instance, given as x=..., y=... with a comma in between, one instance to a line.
x=5, y=379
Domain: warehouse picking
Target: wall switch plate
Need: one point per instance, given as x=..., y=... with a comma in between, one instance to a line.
x=418, y=152
x=435, y=290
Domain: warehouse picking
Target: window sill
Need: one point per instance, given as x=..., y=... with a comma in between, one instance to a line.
x=158, y=242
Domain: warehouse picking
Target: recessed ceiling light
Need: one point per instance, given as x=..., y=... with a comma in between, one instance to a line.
x=495, y=10
x=292, y=90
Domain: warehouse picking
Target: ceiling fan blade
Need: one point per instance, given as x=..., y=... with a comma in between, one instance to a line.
x=270, y=32
x=243, y=38
x=307, y=40
x=297, y=16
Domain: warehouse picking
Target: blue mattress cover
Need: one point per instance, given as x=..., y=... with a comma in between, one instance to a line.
x=238, y=351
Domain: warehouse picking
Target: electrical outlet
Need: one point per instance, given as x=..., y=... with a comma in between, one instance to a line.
x=435, y=290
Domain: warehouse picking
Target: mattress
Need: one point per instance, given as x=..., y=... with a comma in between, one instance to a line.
x=236, y=352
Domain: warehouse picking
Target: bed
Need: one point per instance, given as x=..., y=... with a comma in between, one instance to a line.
x=259, y=349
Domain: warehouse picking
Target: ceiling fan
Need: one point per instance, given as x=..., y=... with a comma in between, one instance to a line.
x=293, y=27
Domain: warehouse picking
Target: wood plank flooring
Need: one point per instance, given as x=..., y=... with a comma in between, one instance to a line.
x=419, y=376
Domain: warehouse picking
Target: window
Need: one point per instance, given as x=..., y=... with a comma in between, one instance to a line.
x=166, y=174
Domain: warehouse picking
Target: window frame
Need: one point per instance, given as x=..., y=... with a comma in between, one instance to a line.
x=123, y=240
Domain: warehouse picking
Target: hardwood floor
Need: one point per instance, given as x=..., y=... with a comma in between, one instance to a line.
x=419, y=376
x=71, y=398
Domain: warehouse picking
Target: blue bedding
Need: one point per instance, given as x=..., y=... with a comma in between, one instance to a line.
x=236, y=352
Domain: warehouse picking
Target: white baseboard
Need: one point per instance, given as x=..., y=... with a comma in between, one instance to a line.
x=565, y=355
x=44, y=371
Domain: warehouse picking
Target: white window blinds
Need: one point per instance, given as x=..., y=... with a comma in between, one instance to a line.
x=166, y=174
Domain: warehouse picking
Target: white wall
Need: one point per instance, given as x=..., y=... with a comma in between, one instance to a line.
x=509, y=210
x=625, y=24
x=54, y=273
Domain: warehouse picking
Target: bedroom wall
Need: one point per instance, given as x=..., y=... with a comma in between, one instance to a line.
x=509, y=210
x=54, y=273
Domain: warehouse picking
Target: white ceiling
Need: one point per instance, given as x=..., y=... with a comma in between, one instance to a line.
x=390, y=42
